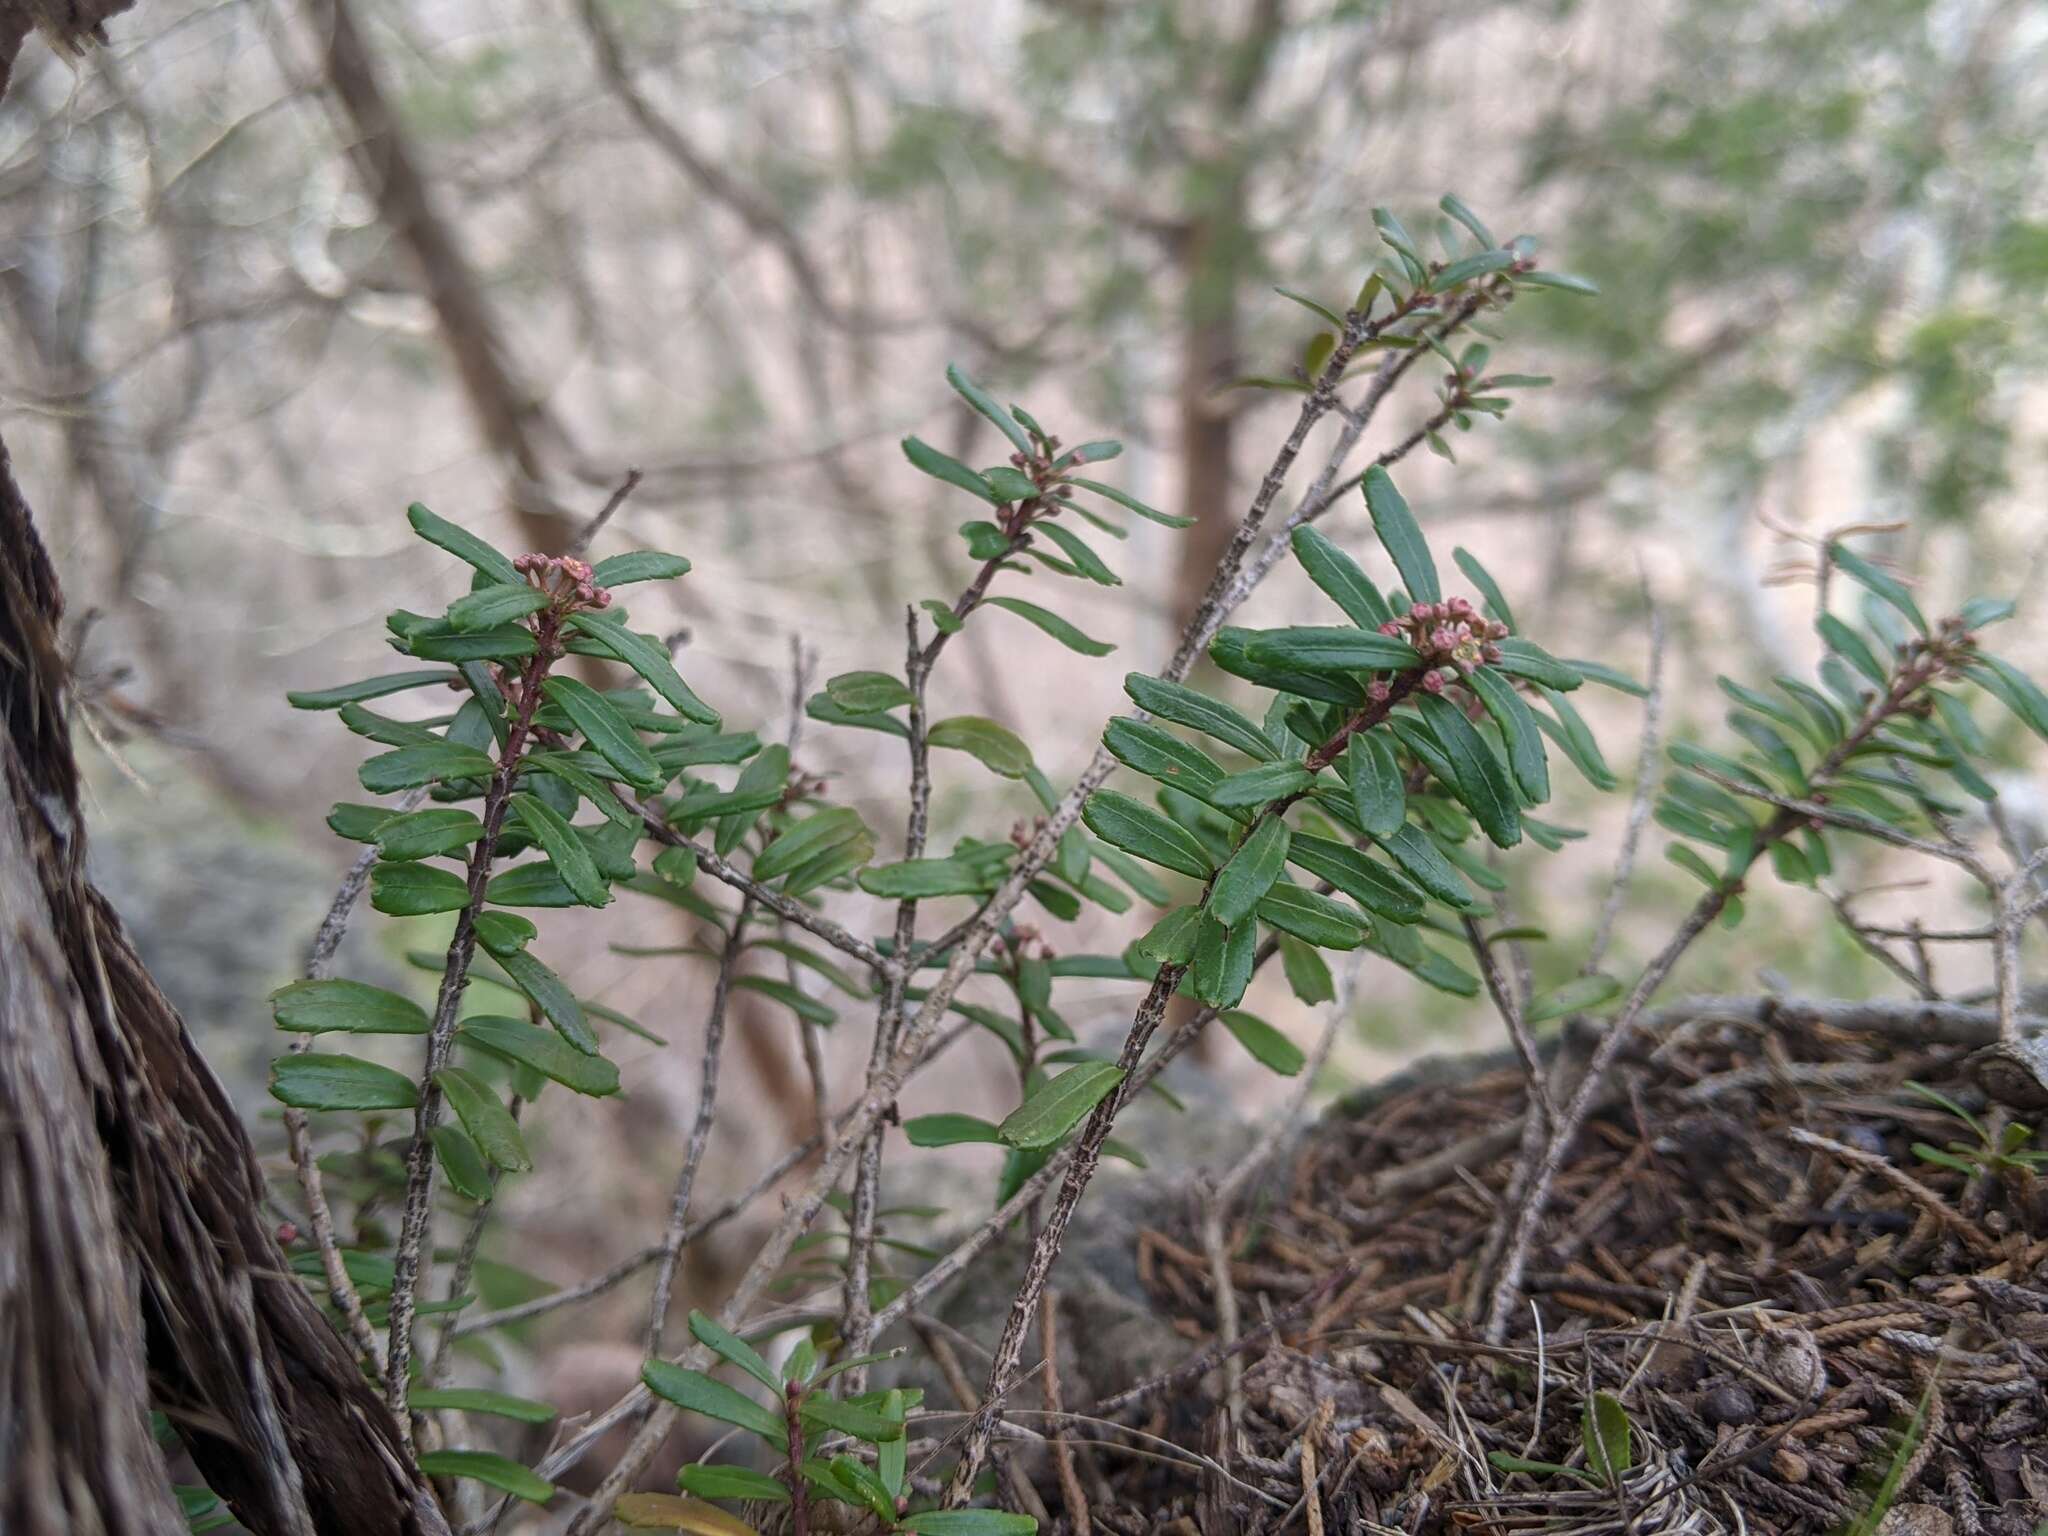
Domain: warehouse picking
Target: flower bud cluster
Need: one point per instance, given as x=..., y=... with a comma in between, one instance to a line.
x=569, y=583
x=1024, y=833
x=1453, y=637
x=1024, y=942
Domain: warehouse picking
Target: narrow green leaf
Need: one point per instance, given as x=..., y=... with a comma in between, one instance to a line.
x=488, y=607
x=977, y=397
x=315, y=1080
x=807, y=839
x=709, y=1481
x=968, y=1522
x=1379, y=793
x=916, y=879
x=368, y=688
x=1250, y=872
x=1420, y=861
x=1159, y=754
x=491, y=1469
x=504, y=642
x=320, y=1007
x=1052, y=624
x=1880, y=582
x=1564, y=282
x=1466, y=268
x=848, y=1418
x=638, y=565
x=1184, y=706
x=1610, y=1451
x=1223, y=961
x=1488, y=589
x=565, y=850
x=730, y=1347
x=542, y=1050
x=1130, y=503
x=1314, y=918
x=699, y=1393
x=1054, y=1109
x=646, y=656
x=948, y=1130
x=1171, y=940
x=1851, y=647
x=555, y=1001
x=416, y=890
x=2012, y=688
x=798, y=1002
x=488, y=1122
x=1267, y=1045
x=463, y=545
x=412, y=767
x=502, y=1405
x=1353, y=872
x=996, y=747
x=868, y=693
x=942, y=466
x=1339, y=650
x=1402, y=537
x=464, y=1164
x=1308, y=974
x=1520, y=658
x=1260, y=785
x=1480, y=779
x=1454, y=205
x=1125, y=823
x=1518, y=729
x=606, y=730
x=1086, y=561
x=1340, y=578
x=425, y=833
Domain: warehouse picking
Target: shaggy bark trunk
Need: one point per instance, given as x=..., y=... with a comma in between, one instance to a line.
x=137, y=1268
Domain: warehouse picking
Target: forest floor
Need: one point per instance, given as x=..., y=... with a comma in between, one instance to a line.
x=1808, y=1323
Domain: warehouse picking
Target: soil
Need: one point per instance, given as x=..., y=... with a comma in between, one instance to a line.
x=1810, y=1326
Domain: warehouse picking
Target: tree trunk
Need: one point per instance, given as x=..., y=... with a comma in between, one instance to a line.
x=136, y=1265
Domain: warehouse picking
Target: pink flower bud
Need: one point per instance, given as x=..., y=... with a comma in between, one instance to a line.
x=1378, y=692
x=1491, y=653
x=1441, y=610
x=1390, y=629
x=1421, y=611
x=603, y=598
x=1497, y=630
x=1442, y=638
x=1460, y=607
x=287, y=1233
x=1432, y=682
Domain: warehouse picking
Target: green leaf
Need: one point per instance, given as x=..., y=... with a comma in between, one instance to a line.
x=1052, y=624
x=1171, y=940
x=1579, y=995
x=1463, y=270
x=807, y=839
x=320, y=1007
x=1479, y=777
x=849, y=1419
x=646, y=656
x=868, y=693
x=1884, y=585
x=1850, y=646
x=638, y=565
x=1520, y=658
x=423, y=834
x=542, y=1050
x=464, y=1164
x=1184, y=706
x=357, y=823
x=1488, y=589
x=1260, y=785
x=1312, y=306
x=1057, y=1106
x=1340, y=578
x=707, y=1481
x=699, y=1393
x=1452, y=204
x=488, y=1122
x=606, y=730
x=948, y=1130
x=1420, y=861
x=414, y=890
x=1402, y=537
x=1354, y=873
x=996, y=747
x=915, y=879
x=1268, y=1046
x=1331, y=650
x=1250, y=872
x=1125, y=823
x=1009, y=485
x=368, y=688
x=2012, y=688
x=1130, y=503
x=730, y=1347
x=1518, y=729
x=531, y=885
x=1308, y=974
x=501, y=1405
x=565, y=850
x=1086, y=561
x=968, y=1522
x=1604, y=1428
x=1223, y=961
x=1312, y=917
x=977, y=397
x=1379, y=793
x=1159, y=754
x=463, y=545
x=505, y=642
x=488, y=1467
x=488, y=607
x=554, y=1000
x=314, y=1080
x=1575, y=738
x=412, y=767
x=1564, y=282
x=942, y=466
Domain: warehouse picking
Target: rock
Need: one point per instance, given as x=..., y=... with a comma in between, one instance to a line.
x=1916, y=1520
x=1729, y=1404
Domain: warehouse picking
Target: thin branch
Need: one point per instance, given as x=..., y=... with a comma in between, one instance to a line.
x=587, y=535
x=1648, y=757
x=700, y=1131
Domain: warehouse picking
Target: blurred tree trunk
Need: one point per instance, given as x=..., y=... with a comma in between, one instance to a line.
x=137, y=1268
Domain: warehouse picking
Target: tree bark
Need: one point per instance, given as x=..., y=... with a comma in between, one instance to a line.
x=137, y=1269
